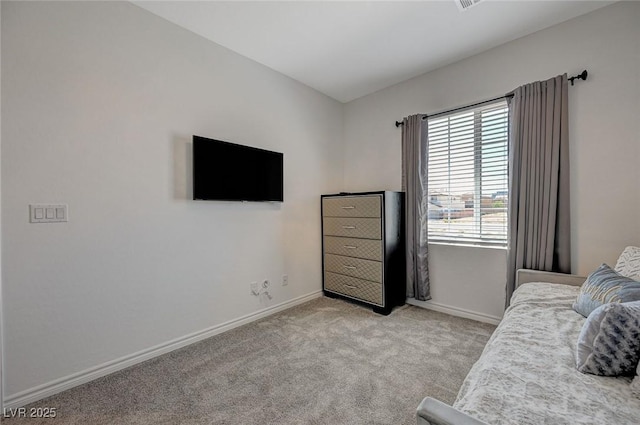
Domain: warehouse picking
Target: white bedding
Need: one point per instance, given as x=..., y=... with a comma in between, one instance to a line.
x=527, y=374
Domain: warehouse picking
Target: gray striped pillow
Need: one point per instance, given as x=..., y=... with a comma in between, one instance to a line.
x=609, y=342
x=605, y=286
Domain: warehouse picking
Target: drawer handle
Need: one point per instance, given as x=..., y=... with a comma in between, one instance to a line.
x=348, y=227
x=350, y=247
x=349, y=208
x=350, y=267
x=350, y=286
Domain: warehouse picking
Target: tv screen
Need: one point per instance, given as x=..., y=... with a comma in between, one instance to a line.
x=229, y=172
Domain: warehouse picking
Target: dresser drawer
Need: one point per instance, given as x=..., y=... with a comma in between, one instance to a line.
x=352, y=206
x=356, y=267
x=367, y=228
x=353, y=287
x=369, y=249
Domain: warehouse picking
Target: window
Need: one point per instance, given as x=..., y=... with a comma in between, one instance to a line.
x=468, y=176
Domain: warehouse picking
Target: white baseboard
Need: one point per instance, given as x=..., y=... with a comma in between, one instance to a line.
x=53, y=387
x=455, y=311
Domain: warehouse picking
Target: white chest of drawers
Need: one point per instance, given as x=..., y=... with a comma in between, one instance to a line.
x=363, y=252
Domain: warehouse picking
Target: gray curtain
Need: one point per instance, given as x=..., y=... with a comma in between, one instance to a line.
x=539, y=225
x=414, y=184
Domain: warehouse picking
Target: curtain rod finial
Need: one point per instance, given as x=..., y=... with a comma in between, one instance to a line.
x=399, y=123
x=582, y=76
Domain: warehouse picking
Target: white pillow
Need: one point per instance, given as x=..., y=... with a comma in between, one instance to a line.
x=628, y=264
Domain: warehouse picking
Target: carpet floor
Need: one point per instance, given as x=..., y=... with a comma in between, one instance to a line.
x=323, y=362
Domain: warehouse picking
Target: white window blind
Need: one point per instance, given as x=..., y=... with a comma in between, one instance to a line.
x=468, y=176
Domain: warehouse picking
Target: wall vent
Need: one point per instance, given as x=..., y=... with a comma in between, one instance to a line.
x=466, y=4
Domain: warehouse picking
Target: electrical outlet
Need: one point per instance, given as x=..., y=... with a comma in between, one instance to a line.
x=254, y=288
x=265, y=283
x=285, y=280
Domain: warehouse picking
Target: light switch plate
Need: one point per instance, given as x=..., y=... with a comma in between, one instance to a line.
x=48, y=213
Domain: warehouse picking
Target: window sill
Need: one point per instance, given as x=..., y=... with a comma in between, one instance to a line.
x=468, y=245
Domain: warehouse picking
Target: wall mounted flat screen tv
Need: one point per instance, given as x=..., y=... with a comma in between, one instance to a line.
x=229, y=172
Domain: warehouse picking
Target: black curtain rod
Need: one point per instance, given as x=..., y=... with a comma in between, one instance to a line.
x=581, y=76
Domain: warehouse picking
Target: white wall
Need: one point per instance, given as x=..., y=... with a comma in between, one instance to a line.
x=99, y=104
x=604, y=133
x=1, y=309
